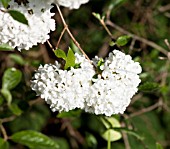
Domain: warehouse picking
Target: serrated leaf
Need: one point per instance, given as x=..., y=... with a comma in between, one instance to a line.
x=60, y=54
x=158, y=146
x=11, y=78
x=4, y=144
x=148, y=86
x=33, y=139
x=15, y=109
x=5, y=3
x=17, y=59
x=7, y=95
x=122, y=40
x=70, y=61
x=72, y=113
x=18, y=16
x=6, y=47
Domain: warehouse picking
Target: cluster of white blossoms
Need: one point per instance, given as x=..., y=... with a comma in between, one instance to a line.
x=108, y=91
x=113, y=89
x=22, y=36
x=72, y=4
x=40, y=23
x=64, y=90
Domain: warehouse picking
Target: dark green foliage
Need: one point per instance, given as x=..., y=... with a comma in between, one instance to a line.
x=34, y=140
x=18, y=16
x=6, y=47
x=28, y=120
x=4, y=144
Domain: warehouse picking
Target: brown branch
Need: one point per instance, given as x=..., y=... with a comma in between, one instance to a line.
x=145, y=110
x=38, y=100
x=106, y=28
x=61, y=35
x=148, y=42
x=125, y=138
x=8, y=119
x=164, y=8
x=50, y=45
x=70, y=34
x=167, y=43
x=4, y=132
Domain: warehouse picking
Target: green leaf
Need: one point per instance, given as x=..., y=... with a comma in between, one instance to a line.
x=91, y=141
x=18, y=16
x=4, y=144
x=110, y=122
x=75, y=48
x=158, y=146
x=123, y=40
x=70, y=61
x=15, y=109
x=112, y=43
x=33, y=139
x=97, y=15
x=6, y=47
x=60, y=54
x=111, y=134
x=11, y=78
x=148, y=86
x=7, y=95
x=71, y=113
x=5, y=3
x=17, y=58
x=1, y=99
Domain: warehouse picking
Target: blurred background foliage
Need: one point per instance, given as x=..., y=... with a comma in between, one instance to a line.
x=144, y=125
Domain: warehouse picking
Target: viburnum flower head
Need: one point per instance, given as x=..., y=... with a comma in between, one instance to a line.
x=106, y=89
x=64, y=90
x=113, y=89
x=72, y=4
x=22, y=36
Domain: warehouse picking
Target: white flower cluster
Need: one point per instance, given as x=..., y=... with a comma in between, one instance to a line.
x=38, y=14
x=72, y=4
x=20, y=35
x=113, y=89
x=64, y=90
x=108, y=93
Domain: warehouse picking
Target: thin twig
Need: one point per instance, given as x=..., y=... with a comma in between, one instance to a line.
x=4, y=132
x=70, y=34
x=106, y=28
x=61, y=35
x=164, y=8
x=50, y=45
x=148, y=42
x=7, y=119
x=167, y=43
x=38, y=100
x=125, y=138
x=145, y=110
